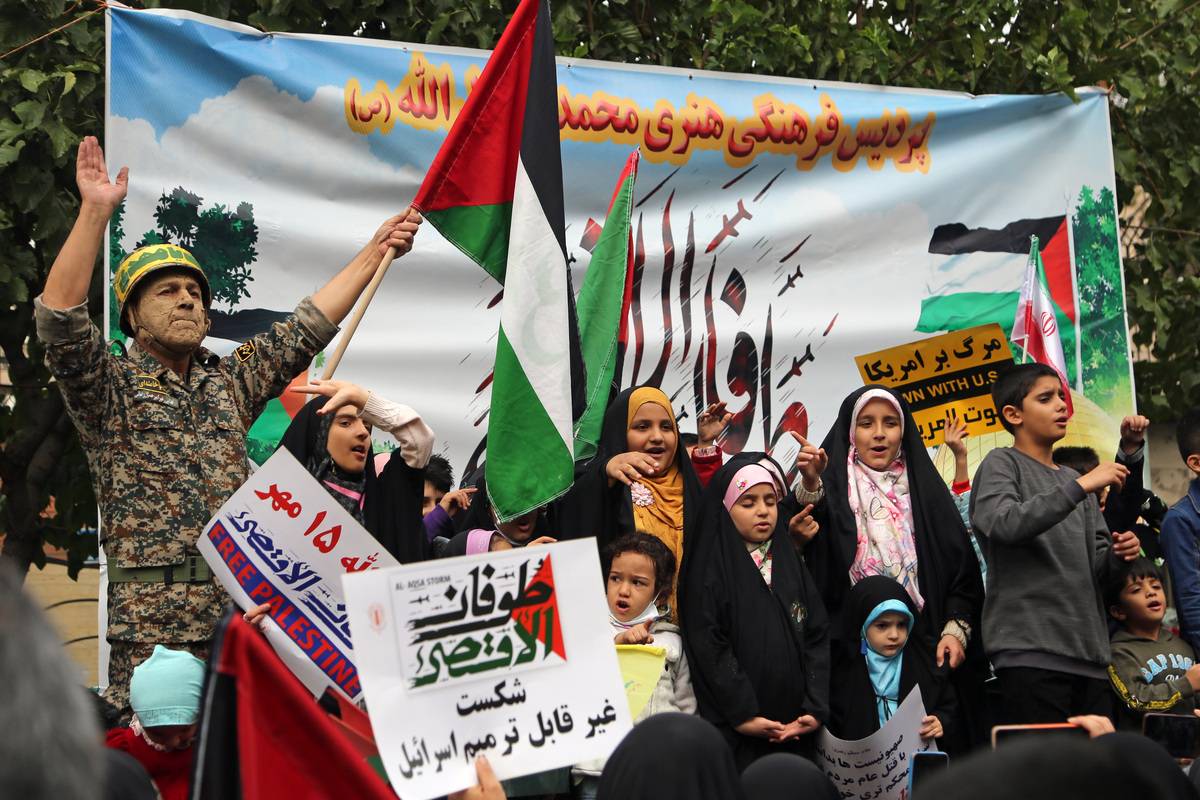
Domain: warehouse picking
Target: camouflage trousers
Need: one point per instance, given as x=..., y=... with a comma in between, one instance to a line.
x=124, y=656
x=180, y=616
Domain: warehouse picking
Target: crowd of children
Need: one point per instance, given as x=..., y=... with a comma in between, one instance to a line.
x=787, y=605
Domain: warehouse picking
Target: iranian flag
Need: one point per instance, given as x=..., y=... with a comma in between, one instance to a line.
x=604, y=306
x=495, y=191
x=1035, y=328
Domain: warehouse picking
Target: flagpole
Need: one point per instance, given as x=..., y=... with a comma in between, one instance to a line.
x=1075, y=292
x=352, y=326
x=1028, y=265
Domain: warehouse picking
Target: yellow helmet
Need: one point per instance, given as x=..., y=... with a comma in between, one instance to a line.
x=152, y=258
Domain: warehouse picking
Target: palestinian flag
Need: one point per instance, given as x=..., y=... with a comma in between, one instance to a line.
x=1035, y=328
x=958, y=310
x=495, y=191
x=1053, y=244
x=604, y=306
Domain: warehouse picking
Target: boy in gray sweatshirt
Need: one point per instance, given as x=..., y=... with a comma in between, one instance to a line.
x=1048, y=553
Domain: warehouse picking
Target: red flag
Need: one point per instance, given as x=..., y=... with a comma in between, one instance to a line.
x=263, y=736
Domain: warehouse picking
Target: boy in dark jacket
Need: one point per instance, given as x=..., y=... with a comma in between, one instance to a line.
x=1181, y=533
x=1151, y=669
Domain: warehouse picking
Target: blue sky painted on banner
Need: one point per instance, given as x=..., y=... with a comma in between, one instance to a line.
x=300, y=66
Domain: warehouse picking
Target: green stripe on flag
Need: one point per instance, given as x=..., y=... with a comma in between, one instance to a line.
x=264, y=435
x=599, y=307
x=519, y=427
x=954, y=312
x=481, y=232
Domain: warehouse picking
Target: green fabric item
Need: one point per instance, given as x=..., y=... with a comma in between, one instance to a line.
x=481, y=232
x=263, y=437
x=520, y=426
x=599, y=307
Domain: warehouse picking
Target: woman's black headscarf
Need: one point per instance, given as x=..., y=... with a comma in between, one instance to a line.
x=391, y=507
x=787, y=776
x=593, y=508
x=947, y=571
x=671, y=757
x=853, y=712
x=754, y=650
x=1119, y=766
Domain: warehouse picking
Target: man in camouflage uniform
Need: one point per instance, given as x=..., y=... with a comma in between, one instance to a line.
x=164, y=426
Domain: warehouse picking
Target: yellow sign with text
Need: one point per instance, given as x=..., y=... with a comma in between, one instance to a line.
x=950, y=375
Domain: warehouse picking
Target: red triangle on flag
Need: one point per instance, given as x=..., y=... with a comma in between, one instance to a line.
x=541, y=621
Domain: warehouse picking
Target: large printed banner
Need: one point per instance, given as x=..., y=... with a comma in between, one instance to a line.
x=507, y=655
x=782, y=226
x=282, y=540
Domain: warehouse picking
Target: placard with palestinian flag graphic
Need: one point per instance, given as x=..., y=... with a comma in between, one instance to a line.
x=466, y=619
x=507, y=654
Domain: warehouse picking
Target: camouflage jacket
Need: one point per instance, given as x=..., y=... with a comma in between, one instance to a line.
x=165, y=452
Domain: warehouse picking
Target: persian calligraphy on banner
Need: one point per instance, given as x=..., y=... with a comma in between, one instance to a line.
x=947, y=375
x=504, y=654
x=876, y=768
x=282, y=540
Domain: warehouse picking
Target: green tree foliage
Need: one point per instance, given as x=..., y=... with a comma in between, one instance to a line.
x=1103, y=343
x=50, y=95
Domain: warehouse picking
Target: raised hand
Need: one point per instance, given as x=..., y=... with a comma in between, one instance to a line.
x=340, y=393
x=803, y=527
x=398, y=232
x=956, y=436
x=91, y=177
x=456, y=499
x=811, y=461
x=630, y=467
x=710, y=423
x=1133, y=433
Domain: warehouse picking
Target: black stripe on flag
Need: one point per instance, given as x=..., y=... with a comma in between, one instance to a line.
x=539, y=133
x=955, y=238
x=542, y=157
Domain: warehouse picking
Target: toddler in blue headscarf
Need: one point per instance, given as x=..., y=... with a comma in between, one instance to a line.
x=890, y=659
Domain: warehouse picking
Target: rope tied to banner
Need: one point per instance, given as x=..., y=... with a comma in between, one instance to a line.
x=100, y=6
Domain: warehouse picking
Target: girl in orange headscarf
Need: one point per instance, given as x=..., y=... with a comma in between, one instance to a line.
x=642, y=477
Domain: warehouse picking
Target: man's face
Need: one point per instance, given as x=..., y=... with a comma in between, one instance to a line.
x=170, y=308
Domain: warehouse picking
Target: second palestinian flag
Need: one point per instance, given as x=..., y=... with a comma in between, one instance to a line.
x=495, y=191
